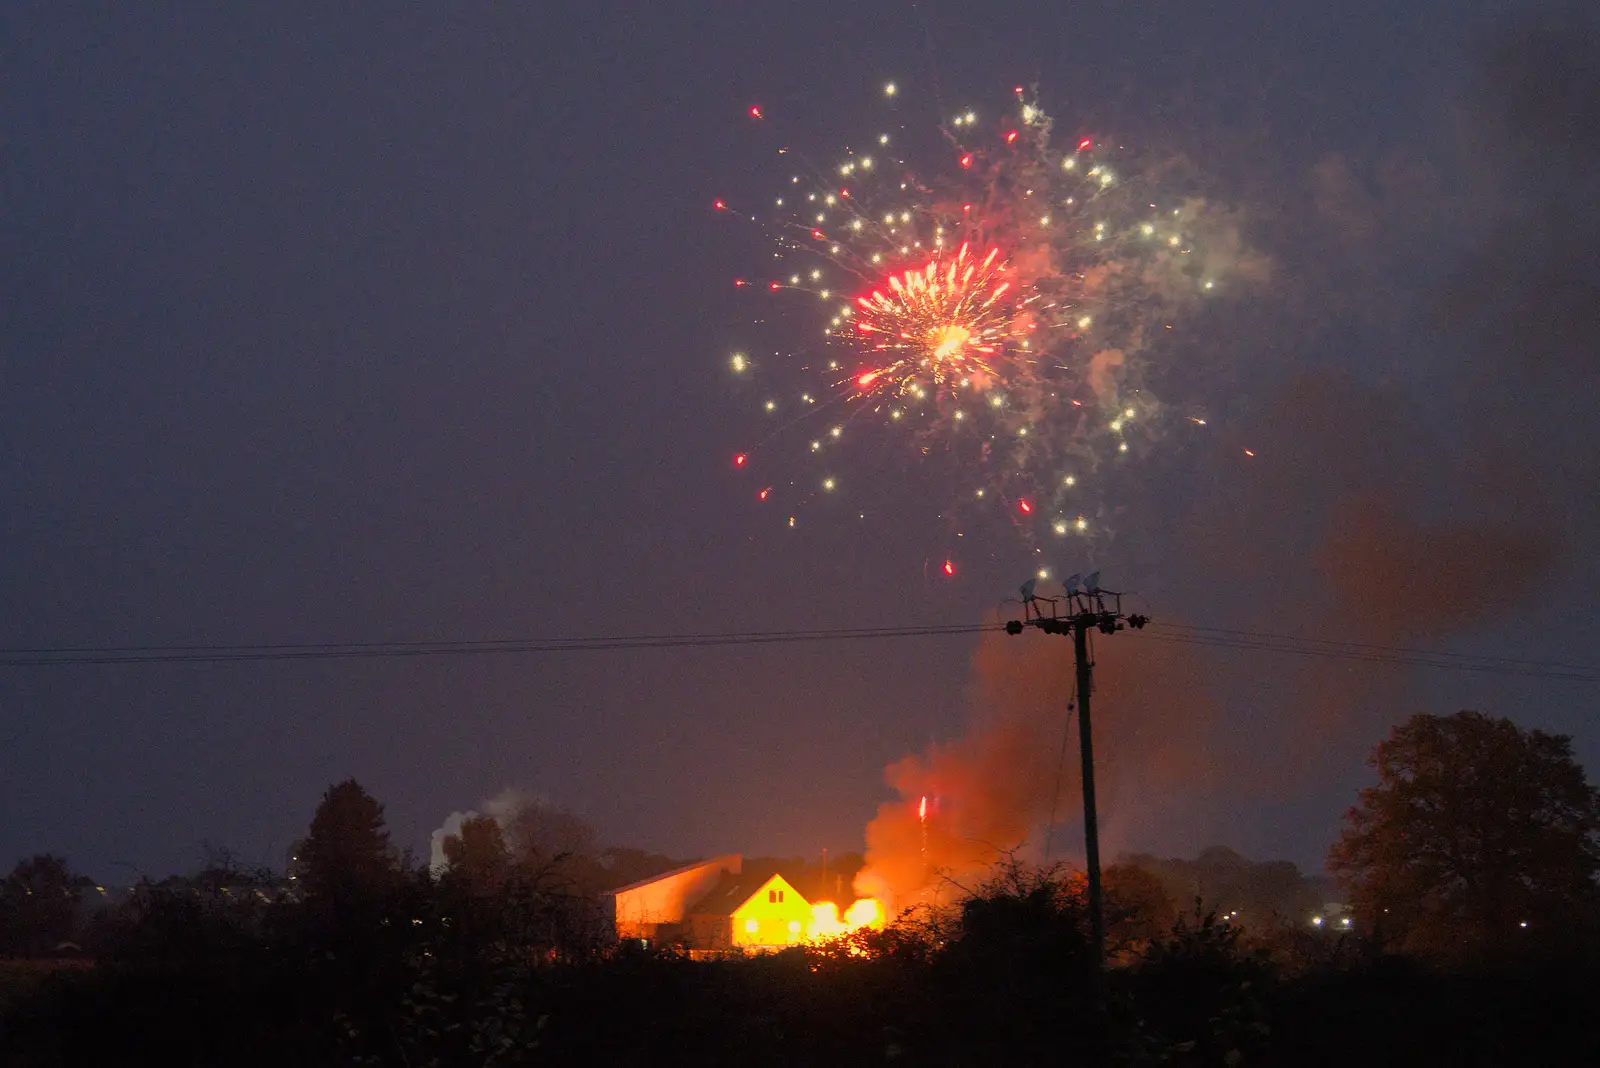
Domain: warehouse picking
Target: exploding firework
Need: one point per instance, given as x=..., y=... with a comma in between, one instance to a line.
x=938, y=325
x=989, y=300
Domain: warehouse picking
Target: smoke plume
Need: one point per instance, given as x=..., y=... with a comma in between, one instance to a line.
x=993, y=790
x=1403, y=486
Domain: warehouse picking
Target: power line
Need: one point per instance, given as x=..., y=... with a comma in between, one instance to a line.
x=1251, y=634
x=212, y=654
x=1185, y=634
x=1391, y=655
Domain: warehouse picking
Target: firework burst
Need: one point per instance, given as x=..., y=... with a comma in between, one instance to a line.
x=987, y=297
x=939, y=325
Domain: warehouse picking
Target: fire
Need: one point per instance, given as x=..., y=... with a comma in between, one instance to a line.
x=826, y=923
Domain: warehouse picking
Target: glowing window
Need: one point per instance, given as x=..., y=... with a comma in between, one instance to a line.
x=752, y=926
x=772, y=897
x=780, y=895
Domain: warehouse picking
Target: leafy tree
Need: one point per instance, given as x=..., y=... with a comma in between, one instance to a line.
x=1479, y=836
x=1137, y=906
x=346, y=855
x=39, y=905
x=478, y=857
x=553, y=848
x=1258, y=895
x=626, y=864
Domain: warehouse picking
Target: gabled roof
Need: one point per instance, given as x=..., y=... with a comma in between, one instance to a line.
x=733, y=891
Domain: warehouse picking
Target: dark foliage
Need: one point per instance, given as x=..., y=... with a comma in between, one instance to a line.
x=503, y=960
x=346, y=858
x=38, y=906
x=1480, y=839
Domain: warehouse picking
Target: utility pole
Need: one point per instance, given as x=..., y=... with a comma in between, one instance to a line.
x=1083, y=605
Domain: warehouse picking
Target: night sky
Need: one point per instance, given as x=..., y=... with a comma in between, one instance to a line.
x=342, y=326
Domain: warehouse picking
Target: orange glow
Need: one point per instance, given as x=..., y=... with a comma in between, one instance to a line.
x=922, y=808
x=825, y=921
x=867, y=379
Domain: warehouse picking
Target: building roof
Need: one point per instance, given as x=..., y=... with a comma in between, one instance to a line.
x=733, y=891
x=728, y=861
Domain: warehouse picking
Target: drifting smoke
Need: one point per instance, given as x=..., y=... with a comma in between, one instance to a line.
x=526, y=821
x=1433, y=500
x=992, y=791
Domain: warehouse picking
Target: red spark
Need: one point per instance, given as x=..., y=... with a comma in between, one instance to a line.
x=763, y=494
x=817, y=234
x=1018, y=90
x=966, y=207
x=1010, y=137
x=739, y=459
x=1085, y=145
x=949, y=567
x=755, y=112
x=966, y=161
x=844, y=192
x=738, y=281
x=868, y=378
x=774, y=287
x=1025, y=506
x=720, y=206
x=1248, y=452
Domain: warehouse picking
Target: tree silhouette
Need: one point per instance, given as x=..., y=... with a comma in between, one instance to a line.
x=1480, y=837
x=38, y=905
x=478, y=857
x=346, y=855
x=1138, y=908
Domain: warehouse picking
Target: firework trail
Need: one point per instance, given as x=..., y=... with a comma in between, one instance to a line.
x=991, y=299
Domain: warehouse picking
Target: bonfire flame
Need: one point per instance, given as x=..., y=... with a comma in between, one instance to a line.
x=825, y=921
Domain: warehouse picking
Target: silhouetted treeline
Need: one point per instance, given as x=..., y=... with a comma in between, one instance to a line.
x=1473, y=939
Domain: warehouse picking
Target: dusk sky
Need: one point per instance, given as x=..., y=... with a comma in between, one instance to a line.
x=328, y=325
